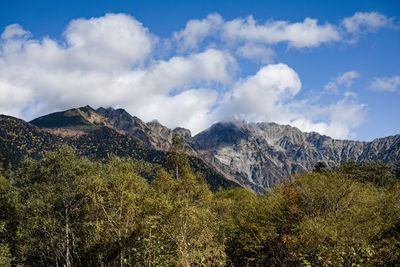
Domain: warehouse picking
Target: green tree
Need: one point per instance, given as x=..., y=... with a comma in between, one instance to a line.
x=8, y=221
x=340, y=218
x=320, y=167
x=49, y=208
x=177, y=160
x=377, y=173
x=114, y=197
x=186, y=221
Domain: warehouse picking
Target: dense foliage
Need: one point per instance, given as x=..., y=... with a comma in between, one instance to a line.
x=66, y=210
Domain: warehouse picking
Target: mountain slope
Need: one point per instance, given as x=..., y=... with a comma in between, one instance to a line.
x=258, y=155
x=152, y=133
x=19, y=139
x=72, y=122
x=264, y=153
x=254, y=155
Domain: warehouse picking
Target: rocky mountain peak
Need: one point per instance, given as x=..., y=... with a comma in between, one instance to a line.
x=121, y=119
x=152, y=133
x=222, y=134
x=184, y=133
x=72, y=122
x=255, y=155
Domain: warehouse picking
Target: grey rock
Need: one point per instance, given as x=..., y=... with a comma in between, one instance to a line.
x=258, y=155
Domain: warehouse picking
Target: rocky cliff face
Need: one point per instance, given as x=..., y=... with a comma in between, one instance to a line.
x=259, y=155
x=152, y=133
x=262, y=154
x=255, y=155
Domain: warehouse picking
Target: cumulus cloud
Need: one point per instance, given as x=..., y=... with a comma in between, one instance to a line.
x=110, y=61
x=101, y=64
x=190, y=109
x=261, y=95
x=13, y=31
x=365, y=21
x=256, y=52
x=243, y=33
x=337, y=119
x=269, y=95
x=386, y=84
x=345, y=79
x=307, y=33
x=112, y=41
x=197, y=30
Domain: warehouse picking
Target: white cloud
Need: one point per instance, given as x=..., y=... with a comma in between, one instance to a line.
x=270, y=94
x=337, y=119
x=109, y=61
x=256, y=52
x=242, y=33
x=13, y=31
x=112, y=41
x=196, y=31
x=345, y=115
x=261, y=94
x=307, y=33
x=101, y=63
x=345, y=79
x=189, y=109
x=386, y=84
x=365, y=21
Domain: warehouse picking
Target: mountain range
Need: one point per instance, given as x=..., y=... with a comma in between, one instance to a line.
x=252, y=155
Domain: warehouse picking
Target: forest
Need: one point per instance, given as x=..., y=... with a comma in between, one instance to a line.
x=68, y=210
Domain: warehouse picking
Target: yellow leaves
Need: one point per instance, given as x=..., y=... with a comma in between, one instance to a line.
x=321, y=219
x=286, y=239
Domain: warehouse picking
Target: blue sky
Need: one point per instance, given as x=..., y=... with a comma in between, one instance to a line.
x=343, y=81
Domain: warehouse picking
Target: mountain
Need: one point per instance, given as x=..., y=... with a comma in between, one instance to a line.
x=72, y=122
x=254, y=155
x=152, y=133
x=263, y=153
x=259, y=155
x=91, y=135
x=19, y=139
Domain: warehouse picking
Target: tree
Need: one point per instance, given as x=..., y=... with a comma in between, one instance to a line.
x=185, y=220
x=340, y=218
x=49, y=208
x=66, y=210
x=377, y=173
x=242, y=233
x=8, y=221
x=396, y=170
x=320, y=166
x=177, y=160
x=114, y=198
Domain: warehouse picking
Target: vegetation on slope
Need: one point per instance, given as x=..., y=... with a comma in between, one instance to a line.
x=67, y=210
x=19, y=139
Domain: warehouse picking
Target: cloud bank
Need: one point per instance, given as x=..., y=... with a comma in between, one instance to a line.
x=111, y=61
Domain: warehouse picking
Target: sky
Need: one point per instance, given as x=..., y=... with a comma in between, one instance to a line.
x=331, y=67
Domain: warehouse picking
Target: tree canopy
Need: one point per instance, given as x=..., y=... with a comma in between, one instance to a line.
x=66, y=210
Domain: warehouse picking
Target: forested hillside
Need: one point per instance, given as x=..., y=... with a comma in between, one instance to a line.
x=19, y=139
x=67, y=210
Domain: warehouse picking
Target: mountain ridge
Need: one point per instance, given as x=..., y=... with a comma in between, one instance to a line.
x=20, y=139
x=255, y=155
